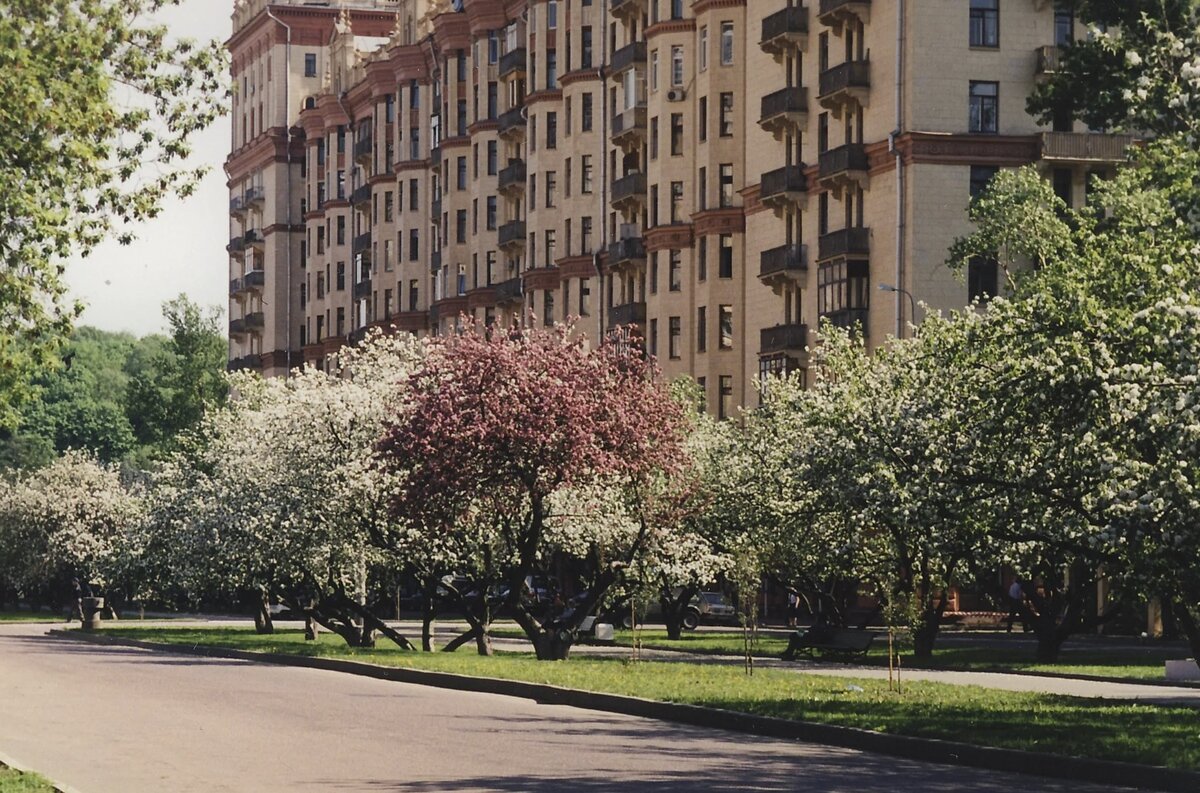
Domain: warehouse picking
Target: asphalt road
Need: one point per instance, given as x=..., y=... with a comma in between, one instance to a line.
x=117, y=720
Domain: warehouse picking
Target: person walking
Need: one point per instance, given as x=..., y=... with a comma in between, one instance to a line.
x=1016, y=604
x=793, y=608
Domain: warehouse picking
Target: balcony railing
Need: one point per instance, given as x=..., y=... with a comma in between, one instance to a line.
x=512, y=62
x=362, y=243
x=630, y=122
x=237, y=327
x=630, y=249
x=1048, y=58
x=512, y=233
x=255, y=321
x=254, y=238
x=784, y=26
x=237, y=206
x=435, y=262
x=362, y=290
x=254, y=195
x=513, y=176
x=435, y=209
x=832, y=10
x=512, y=121
x=361, y=195
x=627, y=187
x=244, y=363
x=1086, y=147
x=783, y=338
x=845, y=242
x=786, y=260
x=846, y=76
x=255, y=279
x=785, y=102
x=235, y=286
x=364, y=149
x=629, y=56
x=510, y=291
x=628, y=314
x=850, y=157
x=789, y=180
x=236, y=245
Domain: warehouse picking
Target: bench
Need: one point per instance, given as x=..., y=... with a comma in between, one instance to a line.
x=839, y=644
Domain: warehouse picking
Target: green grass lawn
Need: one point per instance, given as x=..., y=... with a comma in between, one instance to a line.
x=15, y=782
x=1125, y=663
x=1037, y=722
x=31, y=616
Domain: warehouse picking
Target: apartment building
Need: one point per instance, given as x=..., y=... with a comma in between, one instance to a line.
x=720, y=174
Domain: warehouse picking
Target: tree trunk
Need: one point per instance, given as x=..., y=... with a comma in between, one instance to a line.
x=311, y=630
x=925, y=633
x=372, y=624
x=554, y=644
x=460, y=640
x=263, y=624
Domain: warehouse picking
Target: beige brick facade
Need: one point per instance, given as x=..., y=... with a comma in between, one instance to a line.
x=720, y=173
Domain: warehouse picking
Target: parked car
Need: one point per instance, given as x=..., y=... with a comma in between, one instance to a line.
x=711, y=607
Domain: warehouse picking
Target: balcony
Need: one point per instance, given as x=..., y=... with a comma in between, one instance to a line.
x=844, y=243
x=255, y=322
x=512, y=179
x=435, y=158
x=844, y=167
x=627, y=10
x=783, y=265
x=629, y=251
x=1048, y=59
x=236, y=245
x=629, y=193
x=364, y=150
x=785, y=110
x=512, y=63
x=783, y=339
x=835, y=13
x=255, y=280
x=255, y=195
x=254, y=239
x=784, y=187
x=435, y=209
x=628, y=314
x=362, y=243
x=846, y=84
x=785, y=31
x=1086, y=148
x=629, y=128
x=362, y=290
x=361, y=197
x=237, y=207
x=247, y=363
x=237, y=327
x=235, y=287
x=435, y=262
x=628, y=57
x=512, y=234
x=512, y=124
x=510, y=291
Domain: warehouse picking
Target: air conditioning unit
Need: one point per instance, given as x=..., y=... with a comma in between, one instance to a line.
x=676, y=95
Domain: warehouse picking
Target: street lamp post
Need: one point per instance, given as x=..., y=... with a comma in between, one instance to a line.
x=912, y=301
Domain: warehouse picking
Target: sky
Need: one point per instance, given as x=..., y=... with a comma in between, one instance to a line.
x=182, y=250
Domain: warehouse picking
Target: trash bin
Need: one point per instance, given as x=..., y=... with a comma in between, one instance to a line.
x=91, y=612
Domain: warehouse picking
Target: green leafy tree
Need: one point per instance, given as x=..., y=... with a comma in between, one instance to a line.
x=90, y=91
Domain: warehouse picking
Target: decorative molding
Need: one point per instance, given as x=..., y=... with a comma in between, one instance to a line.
x=670, y=26
x=958, y=149
x=729, y=220
x=576, y=267
x=542, y=278
x=579, y=76
x=703, y=6
x=672, y=237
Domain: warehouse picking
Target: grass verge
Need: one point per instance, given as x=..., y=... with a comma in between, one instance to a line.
x=1070, y=726
x=13, y=781
x=31, y=616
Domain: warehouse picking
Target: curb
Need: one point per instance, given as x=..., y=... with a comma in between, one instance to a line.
x=8, y=762
x=930, y=750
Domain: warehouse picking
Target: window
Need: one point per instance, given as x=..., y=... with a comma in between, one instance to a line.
x=675, y=271
x=842, y=292
x=413, y=295
x=676, y=202
x=341, y=276
x=981, y=176
x=676, y=134
x=585, y=168
x=389, y=203
x=551, y=70
x=676, y=66
x=985, y=107
x=552, y=14
x=674, y=334
x=1064, y=26
x=585, y=294
x=585, y=234
x=461, y=173
x=985, y=23
x=726, y=43
x=341, y=230
x=551, y=188
x=310, y=64
x=703, y=48
x=982, y=277
x=414, y=245
x=702, y=260
x=587, y=113
x=548, y=307
x=725, y=264
x=586, y=43
x=702, y=329
x=654, y=138
x=726, y=115
x=702, y=189
x=551, y=246
x=460, y=226
x=703, y=118
x=653, y=72
x=725, y=317
x=552, y=130
x=654, y=272
x=726, y=184
x=491, y=213
x=725, y=405
x=652, y=342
